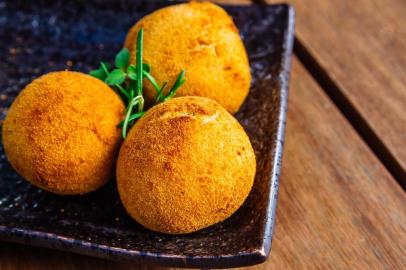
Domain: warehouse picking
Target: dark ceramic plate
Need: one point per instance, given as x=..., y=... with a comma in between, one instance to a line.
x=40, y=36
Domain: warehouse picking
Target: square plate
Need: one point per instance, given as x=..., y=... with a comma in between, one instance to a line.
x=42, y=36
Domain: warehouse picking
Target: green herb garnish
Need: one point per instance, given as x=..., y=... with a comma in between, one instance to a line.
x=126, y=79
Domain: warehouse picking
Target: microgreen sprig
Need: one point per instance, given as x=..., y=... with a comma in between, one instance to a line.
x=127, y=80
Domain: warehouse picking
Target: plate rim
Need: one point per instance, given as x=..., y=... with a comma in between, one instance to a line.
x=284, y=76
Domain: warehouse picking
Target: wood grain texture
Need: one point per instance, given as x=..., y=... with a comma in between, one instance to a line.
x=361, y=46
x=338, y=206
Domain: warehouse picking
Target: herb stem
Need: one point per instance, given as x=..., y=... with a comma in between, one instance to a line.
x=152, y=81
x=141, y=104
x=138, y=49
x=133, y=117
x=160, y=93
x=122, y=91
x=104, y=67
x=179, y=81
x=133, y=102
x=126, y=119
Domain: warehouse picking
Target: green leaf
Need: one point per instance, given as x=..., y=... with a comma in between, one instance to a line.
x=117, y=76
x=98, y=73
x=102, y=72
x=123, y=58
x=132, y=76
x=132, y=72
x=146, y=67
x=131, y=68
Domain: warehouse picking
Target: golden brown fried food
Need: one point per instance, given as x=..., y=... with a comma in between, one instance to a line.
x=202, y=38
x=185, y=165
x=61, y=132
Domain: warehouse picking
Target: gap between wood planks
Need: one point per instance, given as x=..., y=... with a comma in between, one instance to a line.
x=360, y=125
x=350, y=112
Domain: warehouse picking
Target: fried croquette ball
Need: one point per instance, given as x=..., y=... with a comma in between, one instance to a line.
x=61, y=132
x=201, y=38
x=185, y=165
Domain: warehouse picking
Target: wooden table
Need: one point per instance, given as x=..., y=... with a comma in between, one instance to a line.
x=341, y=204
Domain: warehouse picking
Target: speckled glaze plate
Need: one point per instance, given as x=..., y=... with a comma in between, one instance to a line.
x=41, y=36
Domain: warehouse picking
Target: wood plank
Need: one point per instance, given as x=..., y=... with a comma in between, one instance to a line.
x=361, y=45
x=338, y=206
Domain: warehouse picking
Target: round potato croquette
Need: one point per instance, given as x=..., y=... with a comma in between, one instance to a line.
x=201, y=38
x=185, y=165
x=61, y=132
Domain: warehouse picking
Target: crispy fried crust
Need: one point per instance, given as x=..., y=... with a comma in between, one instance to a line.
x=185, y=165
x=61, y=132
x=202, y=38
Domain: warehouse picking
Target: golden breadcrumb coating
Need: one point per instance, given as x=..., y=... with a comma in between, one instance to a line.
x=61, y=132
x=185, y=165
x=201, y=37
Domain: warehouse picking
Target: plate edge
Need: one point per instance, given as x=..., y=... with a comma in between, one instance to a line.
x=284, y=76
